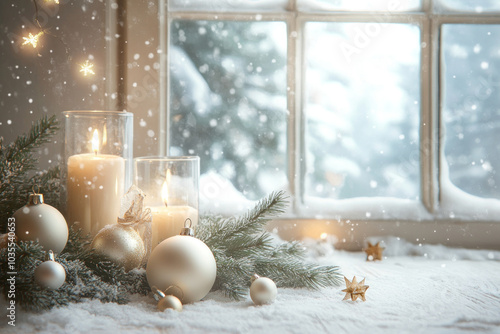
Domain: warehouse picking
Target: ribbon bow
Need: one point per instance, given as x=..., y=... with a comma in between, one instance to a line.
x=137, y=217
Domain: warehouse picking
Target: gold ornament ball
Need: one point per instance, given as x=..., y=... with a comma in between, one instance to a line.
x=41, y=222
x=121, y=244
x=263, y=290
x=50, y=275
x=171, y=302
x=185, y=262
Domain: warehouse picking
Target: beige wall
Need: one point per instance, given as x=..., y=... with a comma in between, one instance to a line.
x=143, y=75
x=34, y=85
x=47, y=83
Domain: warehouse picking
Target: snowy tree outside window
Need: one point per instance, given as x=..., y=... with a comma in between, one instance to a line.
x=228, y=100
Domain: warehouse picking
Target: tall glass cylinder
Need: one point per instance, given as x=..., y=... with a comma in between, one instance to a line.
x=97, y=167
x=172, y=192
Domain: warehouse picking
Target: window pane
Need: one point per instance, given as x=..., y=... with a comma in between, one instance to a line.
x=228, y=101
x=362, y=110
x=477, y=6
x=360, y=5
x=471, y=106
x=227, y=5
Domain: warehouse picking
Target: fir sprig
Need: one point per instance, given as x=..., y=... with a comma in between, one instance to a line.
x=81, y=283
x=78, y=248
x=242, y=246
x=17, y=169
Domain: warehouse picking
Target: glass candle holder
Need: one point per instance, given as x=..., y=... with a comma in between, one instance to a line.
x=97, y=167
x=172, y=192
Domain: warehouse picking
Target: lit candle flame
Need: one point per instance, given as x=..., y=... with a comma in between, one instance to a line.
x=95, y=141
x=164, y=188
x=323, y=236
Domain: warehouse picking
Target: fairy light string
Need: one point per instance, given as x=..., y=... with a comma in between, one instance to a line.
x=33, y=40
x=86, y=68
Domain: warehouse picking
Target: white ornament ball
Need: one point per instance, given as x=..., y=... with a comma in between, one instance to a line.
x=263, y=290
x=41, y=222
x=169, y=302
x=50, y=275
x=185, y=262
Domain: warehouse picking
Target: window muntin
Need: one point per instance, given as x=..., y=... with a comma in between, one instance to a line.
x=362, y=110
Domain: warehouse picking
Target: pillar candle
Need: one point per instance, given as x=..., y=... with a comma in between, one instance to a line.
x=95, y=187
x=169, y=220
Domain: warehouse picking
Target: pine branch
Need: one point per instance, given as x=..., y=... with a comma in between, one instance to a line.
x=49, y=184
x=241, y=247
x=88, y=276
x=232, y=274
x=40, y=133
x=17, y=161
x=292, y=273
x=215, y=230
x=247, y=245
x=81, y=283
x=78, y=249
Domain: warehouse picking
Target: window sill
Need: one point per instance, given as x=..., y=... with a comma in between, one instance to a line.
x=352, y=234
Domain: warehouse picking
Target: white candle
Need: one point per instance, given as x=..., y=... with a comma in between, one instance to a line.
x=94, y=187
x=168, y=221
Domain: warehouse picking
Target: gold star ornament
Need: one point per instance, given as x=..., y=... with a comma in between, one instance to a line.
x=353, y=289
x=374, y=252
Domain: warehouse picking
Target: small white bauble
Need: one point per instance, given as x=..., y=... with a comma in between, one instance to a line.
x=50, y=274
x=263, y=290
x=41, y=222
x=166, y=301
x=185, y=262
x=171, y=302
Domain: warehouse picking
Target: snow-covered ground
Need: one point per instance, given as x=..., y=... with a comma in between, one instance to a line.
x=415, y=289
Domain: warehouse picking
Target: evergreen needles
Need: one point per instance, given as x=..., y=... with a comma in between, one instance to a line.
x=88, y=276
x=17, y=165
x=242, y=246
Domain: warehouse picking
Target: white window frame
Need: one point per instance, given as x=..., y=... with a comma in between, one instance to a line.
x=352, y=233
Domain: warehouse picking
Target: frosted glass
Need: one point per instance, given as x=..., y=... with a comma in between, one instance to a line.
x=227, y=5
x=360, y=5
x=475, y=6
x=471, y=106
x=362, y=110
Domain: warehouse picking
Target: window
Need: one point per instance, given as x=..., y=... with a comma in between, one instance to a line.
x=471, y=107
x=367, y=110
